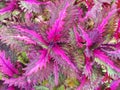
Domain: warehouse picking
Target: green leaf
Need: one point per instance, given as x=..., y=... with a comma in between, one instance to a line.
x=15, y=12
x=62, y=87
x=0, y=76
x=6, y=15
x=2, y=4
x=71, y=82
x=45, y=82
x=61, y=78
x=23, y=58
x=41, y=88
x=111, y=72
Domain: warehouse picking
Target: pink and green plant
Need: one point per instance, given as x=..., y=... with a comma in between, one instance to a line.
x=54, y=40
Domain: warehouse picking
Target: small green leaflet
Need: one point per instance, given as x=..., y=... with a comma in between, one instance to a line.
x=41, y=88
x=62, y=87
x=23, y=58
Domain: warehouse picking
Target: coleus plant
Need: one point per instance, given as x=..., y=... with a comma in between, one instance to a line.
x=73, y=38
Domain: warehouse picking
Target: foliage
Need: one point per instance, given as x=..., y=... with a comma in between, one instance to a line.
x=60, y=44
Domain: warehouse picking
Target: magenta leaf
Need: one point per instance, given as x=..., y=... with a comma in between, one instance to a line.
x=21, y=82
x=102, y=56
x=83, y=81
x=60, y=38
x=114, y=54
x=10, y=7
x=6, y=66
x=60, y=52
x=88, y=67
x=105, y=20
x=54, y=33
x=115, y=84
x=31, y=32
x=11, y=88
x=34, y=66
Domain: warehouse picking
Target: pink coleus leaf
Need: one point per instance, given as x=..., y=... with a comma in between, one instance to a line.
x=88, y=67
x=115, y=84
x=102, y=56
x=24, y=38
x=60, y=52
x=34, y=66
x=117, y=32
x=31, y=5
x=28, y=18
x=105, y=20
x=32, y=33
x=10, y=7
x=115, y=54
x=78, y=38
x=11, y=88
x=6, y=66
x=94, y=11
x=21, y=82
x=56, y=74
x=54, y=33
x=83, y=81
x=56, y=8
x=85, y=36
